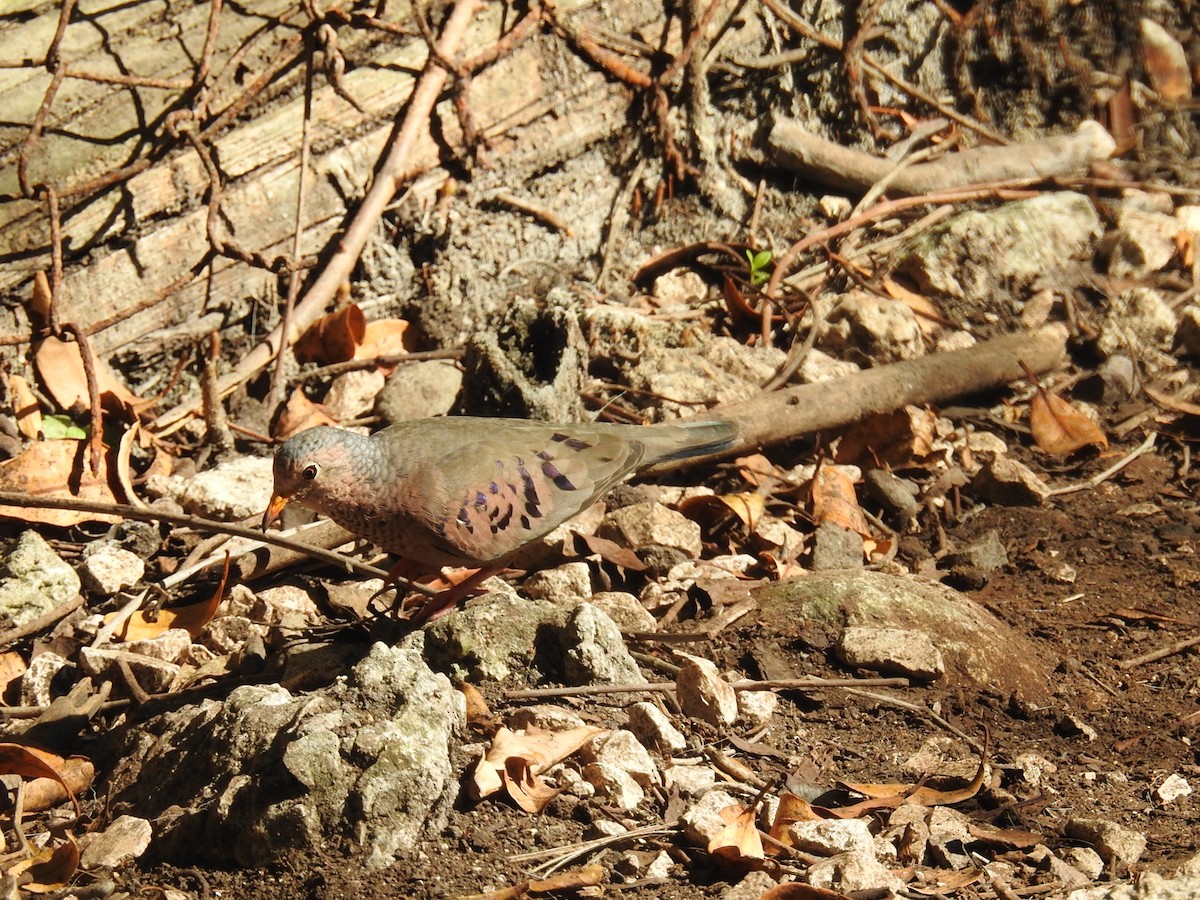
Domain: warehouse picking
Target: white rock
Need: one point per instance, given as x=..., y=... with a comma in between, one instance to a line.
x=1173, y=787
x=237, y=489
x=945, y=756
x=702, y=820
x=704, y=694
x=689, y=781
x=654, y=728
x=828, y=837
x=173, y=645
x=1033, y=766
x=125, y=839
x=622, y=750
x=850, y=872
x=546, y=716
x=893, y=651
x=755, y=708
x=34, y=579
x=353, y=394
x=572, y=782
x=36, y=682
x=153, y=675
x=110, y=570
x=616, y=784
x=275, y=604
x=1085, y=860
x=1112, y=841
x=640, y=524
x=1151, y=886
x=568, y=583
x=602, y=828
x=625, y=609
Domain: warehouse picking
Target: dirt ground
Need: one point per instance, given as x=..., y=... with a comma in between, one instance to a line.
x=1134, y=594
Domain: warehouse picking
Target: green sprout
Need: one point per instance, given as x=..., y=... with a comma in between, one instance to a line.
x=758, y=266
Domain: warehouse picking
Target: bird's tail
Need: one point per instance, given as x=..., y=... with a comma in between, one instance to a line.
x=681, y=440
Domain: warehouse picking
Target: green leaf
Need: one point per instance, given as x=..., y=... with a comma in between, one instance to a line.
x=58, y=428
x=758, y=265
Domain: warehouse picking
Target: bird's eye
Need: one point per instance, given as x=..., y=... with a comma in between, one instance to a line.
x=309, y=472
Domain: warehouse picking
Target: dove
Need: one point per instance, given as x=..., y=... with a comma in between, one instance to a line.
x=467, y=491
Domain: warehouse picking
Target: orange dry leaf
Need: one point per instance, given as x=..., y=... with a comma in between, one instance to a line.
x=194, y=617
x=12, y=667
x=710, y=511
x=1166, y=62
x=928, y=317
x=50, y=869
x=834, y=500
x=1059, y=428
x=525, y=788
x=60, y=365
x=56, y=469
x=885, y=796
x=738, y=843
x=588, y=876
x=792, y=808
x=795, y=890
x=940, y=883
x=478, y=712
x=300, y=413
x=77, y=773
x=333, y=338
x=30, y=762
x=385, y=337
x=901, y=439
x=537, y=749
x=25, y=407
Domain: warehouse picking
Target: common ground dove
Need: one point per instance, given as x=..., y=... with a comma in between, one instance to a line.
x=462, y=491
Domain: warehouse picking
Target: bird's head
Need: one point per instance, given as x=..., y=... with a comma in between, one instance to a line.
x=310, y=469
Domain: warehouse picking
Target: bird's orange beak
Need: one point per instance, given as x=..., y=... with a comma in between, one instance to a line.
x=274, y=508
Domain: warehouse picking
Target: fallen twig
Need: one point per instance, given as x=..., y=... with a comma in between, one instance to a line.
x=787, y=684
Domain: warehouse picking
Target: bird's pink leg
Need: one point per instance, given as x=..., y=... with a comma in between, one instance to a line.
x=444, y=603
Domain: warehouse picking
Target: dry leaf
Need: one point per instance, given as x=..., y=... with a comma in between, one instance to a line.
x=333, y=338
x=56, y=469
x=884, y=796
x=77, y=773
x=588, y=876
x=1059, y=428
x=757, y=471
x=193, y=617
x=1166, y=63
x=478, y=711
x=1014, y=838
x=60, y=365
x=25, y=407
x=939, y=883
x=794, y=890
x=50, y=869
x=792, y=808
x=902, y=439
x=834, y=500
x=385, y=337
x=30, y=762
x=928, y=317
x=525, y=788
x=12, y=667
x=711, y=511
x=610, y=551
x=300, y=413
x=738, y=843
x=1166, y=401
x=539, y=750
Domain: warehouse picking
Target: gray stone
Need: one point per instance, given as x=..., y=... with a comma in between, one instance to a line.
x=835, y=547
x=641, y=524
x=126, y=838
x=624, y=609
x=893, y=651
x=233, y=490
x=1151, y=886
x=33, y=580
x=365, y=758
x=1114, y=843
x=974, y=644
x=595, y=651
x=568, y=583
x=850, y=872
x=897, y=495
x=984, y=263
x=419, y=390
x=654, y=728
x=1139, y=322
x=703, y=694
x=875, y=330
x=36, y=683
x=702, y=820
x=827, y=837
x=1007, y=482
x=492, y=638
x=985, y=552
x=110, y=569
x=352, y=394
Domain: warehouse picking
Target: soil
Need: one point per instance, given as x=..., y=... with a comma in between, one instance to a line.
x=1134, y=593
